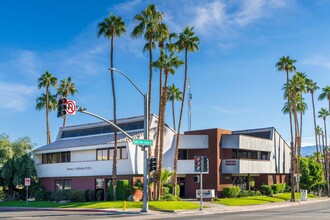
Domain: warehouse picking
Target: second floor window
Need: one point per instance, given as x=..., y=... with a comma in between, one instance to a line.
x=108, y=153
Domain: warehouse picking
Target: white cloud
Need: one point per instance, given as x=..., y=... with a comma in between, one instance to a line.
x=318, y=60
x=15, y=96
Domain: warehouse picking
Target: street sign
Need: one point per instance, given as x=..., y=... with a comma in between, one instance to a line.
x=71, y=107
x=142, y=142
x=27, y=181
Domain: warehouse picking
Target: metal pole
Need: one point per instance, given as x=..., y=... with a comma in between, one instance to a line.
x=27, y=195
x=145, y=207
x=201, y=192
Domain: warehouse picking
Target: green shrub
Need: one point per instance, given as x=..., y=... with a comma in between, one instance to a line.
x=266, y=190
x=99, y=195
x=231, y=192
x=91, y=195
x=276, y=188
x=41, y=195
x=60, y=195
x=123, y=190
x=77, y=196
x=86, y=195
x=246, y=193
x=170, y=186
x=166, y=190
x=169, y=197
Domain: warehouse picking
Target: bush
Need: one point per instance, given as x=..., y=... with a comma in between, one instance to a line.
x=91, y=195
x=123, y=190
x=41, y=195
x=169, y=197
x=231, y=192
x=60, y=195
x=170, y=186
x=246, y=193
x=99, y=195
x=86, y=195
x=72, y=195
x=266, y=190
x=77, y=196
x=166, y=190
x=278, y=188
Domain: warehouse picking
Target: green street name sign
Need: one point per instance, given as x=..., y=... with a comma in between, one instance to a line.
x=142, y=142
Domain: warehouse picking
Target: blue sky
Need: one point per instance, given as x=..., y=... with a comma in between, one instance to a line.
x=234, y=82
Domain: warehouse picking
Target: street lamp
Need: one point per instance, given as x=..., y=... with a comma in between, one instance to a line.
x=146, y=136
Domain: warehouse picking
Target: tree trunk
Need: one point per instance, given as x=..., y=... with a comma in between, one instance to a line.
x=291, y=141
x=115, y=152
x=175, y=165
x=162, y=129
x=314, y=117
x=173, y=114
x=47, y=117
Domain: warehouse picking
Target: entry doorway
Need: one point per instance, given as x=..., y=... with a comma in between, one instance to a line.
x=181, y=181
x=240, y=181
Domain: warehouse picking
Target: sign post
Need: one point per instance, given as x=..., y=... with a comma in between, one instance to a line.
x=27, y=182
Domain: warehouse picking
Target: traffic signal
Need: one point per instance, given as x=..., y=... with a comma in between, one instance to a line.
x=152, y=164
x=61, y=107
x=197, y=163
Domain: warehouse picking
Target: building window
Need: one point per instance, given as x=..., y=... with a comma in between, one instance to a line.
x=124, y=154
x=67, y=184
x=102, y=154
x=61, y=157
x=249, y=154
x=63, y=184
x=99, y=184
x=183, y=154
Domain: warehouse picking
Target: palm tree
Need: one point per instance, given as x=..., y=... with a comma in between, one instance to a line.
x=66, y=88
x=148, y=23
x=325, y=94
x=174, y=94
x=41, y=104
x=47, y=80
x=287, y=64
x=109, y=28
x=187, y=42
x=323, y=113
x=318, y=132
x=169, y=64
x=311, y=88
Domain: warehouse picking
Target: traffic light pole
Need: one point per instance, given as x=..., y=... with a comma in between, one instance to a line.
x=145, y=207
x=201, y=191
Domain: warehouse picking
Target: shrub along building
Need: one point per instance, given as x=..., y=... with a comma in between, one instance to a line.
x=81, y=157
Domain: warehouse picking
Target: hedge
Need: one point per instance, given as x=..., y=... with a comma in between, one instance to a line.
x=231, y=192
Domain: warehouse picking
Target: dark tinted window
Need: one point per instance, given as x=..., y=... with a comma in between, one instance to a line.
x=102, y=130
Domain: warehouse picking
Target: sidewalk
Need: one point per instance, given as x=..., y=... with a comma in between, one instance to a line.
x=212, y=208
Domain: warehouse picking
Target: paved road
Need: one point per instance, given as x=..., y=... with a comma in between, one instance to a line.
x=313, y=210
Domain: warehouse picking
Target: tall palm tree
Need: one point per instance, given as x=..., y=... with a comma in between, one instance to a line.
x=148, y=23
x=170, y=64
x=323, y=113
x=325, y=94
x=66, y=88
x=46, y=81
x=311, y=88
x=174, y=94
x=287, y=64
x=110, y=28
x=187, y=42
x=318, y=132
x=42, y=104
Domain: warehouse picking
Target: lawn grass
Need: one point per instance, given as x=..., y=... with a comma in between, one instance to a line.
x=252, y=200
x=153, y=205
x=287, y=196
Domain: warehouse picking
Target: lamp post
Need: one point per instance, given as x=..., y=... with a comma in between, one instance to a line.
x=144, y=148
